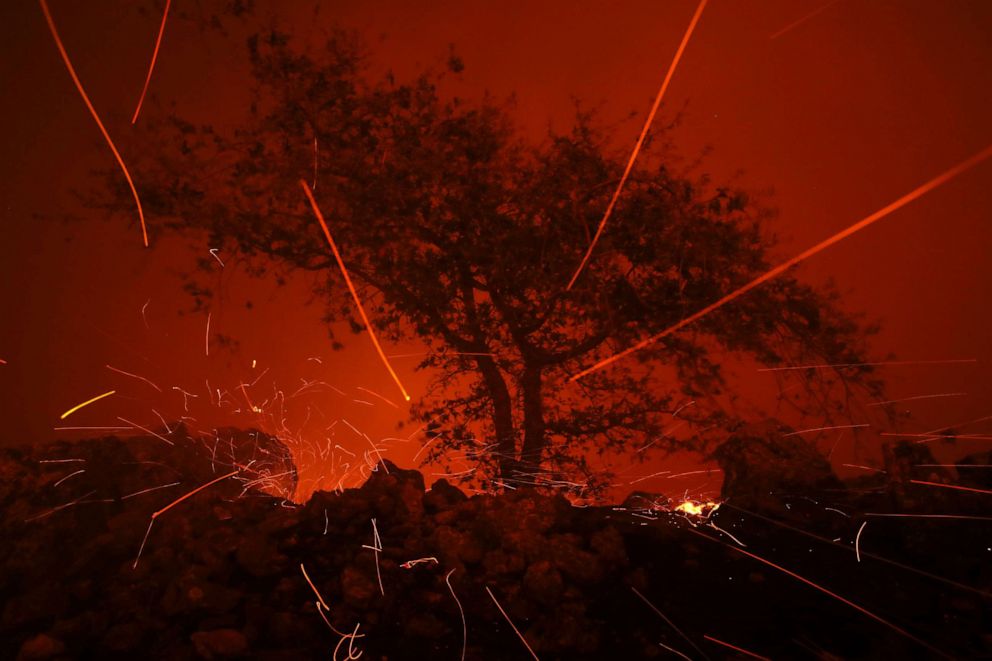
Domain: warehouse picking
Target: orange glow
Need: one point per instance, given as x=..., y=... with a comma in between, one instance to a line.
x=640, y=141
x=96, y=117
x=698, y=509
x=151, y=65
x=86, y=403
x=351, y=287
x=785, y=266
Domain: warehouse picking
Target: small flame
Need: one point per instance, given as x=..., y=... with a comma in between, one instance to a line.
x=698, y=508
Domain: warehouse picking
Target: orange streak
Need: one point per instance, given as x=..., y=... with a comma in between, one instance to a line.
x=151, y=66
x=781, y=268
x=191, y=493
x=951, y=486
x=86, y=403
x=351, y=287
x=640, y=141
x=824, y=590
x=314, y=587
x=735, y=648
x=96, y=117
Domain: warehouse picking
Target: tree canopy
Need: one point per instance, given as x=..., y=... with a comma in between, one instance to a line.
x=463, y=235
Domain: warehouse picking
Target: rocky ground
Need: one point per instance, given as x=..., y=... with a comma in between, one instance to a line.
x=221, y=574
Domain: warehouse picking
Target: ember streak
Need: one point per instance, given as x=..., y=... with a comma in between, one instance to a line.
x=631, y=423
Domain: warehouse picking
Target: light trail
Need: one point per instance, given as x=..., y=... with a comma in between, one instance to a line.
x=952, y=361
x=151, y=65
x=640, y=142
x=857, y=541
x=916, y=193
x=827, y=592
x=951, y=486
x=351, y=287
x=515, y=629
x=796, y=23
x=447, y=579
x=314, y=587
x=86, y=403
x=96, y=117
x=735, y=648
x=919, y=397
x=195, y=491
x=83, y=470
x=146, y=430
x=964, y=517
x=836, y=544
x=133, y=376
x=669, y=622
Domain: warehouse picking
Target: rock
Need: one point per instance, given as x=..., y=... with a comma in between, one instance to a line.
x=220, y=644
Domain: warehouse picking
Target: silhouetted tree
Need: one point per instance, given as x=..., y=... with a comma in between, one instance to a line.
x=463, y=235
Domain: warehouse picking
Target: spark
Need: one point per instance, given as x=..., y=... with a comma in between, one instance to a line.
x=86, y=403
x=918, y=397
x=60, y=507
x=375, y=394
x=146, y=430
x=719, y=529
x=377, y=549
x=143, y=309
x=835, y=543
x=90, y=428
x=410, y=564
x=150, y=489
x=351, y=287
x=96, y=117
x=802, y=20
x=206, y=338
x=515, y=629
x=133, y=376
x=447, y=580
x=956, y=465
x=827, y=592
x=916, y=193
x=351, y=638
x=951, y=486
x=675, y=651
x=151, y=65
x=68, y=476
x=59, y=461
x=213, y=252
x=804, y=431
x=705, y=470
x=933, y=516
x=314, y=587
x=669, y=622
x=640, y=142
x=881, y=363
x=867, y=468
x=165, y=509
x=857, y=541
x=195, y=491
x=735, y=648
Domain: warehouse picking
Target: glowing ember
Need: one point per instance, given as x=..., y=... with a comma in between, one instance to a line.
x=694, y=508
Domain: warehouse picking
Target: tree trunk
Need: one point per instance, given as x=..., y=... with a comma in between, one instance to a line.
x=534, y=437
x=502, y=416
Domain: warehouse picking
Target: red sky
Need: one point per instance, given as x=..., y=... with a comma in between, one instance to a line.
x=840, y=114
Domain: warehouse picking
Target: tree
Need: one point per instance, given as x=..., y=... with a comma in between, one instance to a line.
x=463, y=235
